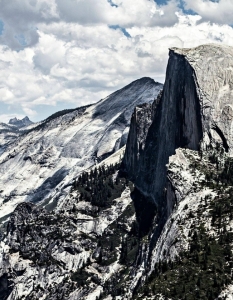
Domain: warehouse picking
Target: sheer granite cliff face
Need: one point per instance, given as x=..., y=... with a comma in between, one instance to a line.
x=195, y=110
x=140, y=123
x=213, y=74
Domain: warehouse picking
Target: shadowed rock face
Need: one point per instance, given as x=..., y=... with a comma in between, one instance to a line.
x=140, y=123
x=194, y=110
x=176, y=123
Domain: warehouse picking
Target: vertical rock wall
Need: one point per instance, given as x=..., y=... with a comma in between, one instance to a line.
x=213, y=67
x=194, y=111
x=177, y=122
x=141, y=121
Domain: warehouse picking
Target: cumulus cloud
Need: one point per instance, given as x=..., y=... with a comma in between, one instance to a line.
x=83, y=11
x=71, y=55
x=215, y=11
x=20, y=18
x=123, y=13
x=50, y=52
x=29, y=112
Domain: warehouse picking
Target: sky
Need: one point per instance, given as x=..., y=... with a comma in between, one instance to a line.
x=58, y=54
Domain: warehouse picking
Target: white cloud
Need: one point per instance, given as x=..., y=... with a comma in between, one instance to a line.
x=50, y=52
x=20, y=19
x=215, y=11
x=126, y=13
x=83, y=11
x=78, y=59
x=29, y=112
x=132, y=13
x=6, y=94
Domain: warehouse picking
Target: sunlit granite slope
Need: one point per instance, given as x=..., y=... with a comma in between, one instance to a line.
x=46, y=158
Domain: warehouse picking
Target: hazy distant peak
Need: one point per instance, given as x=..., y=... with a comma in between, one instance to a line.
x=20, y=123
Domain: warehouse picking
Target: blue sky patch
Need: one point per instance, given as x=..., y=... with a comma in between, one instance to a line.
x=7, y=109
x=160, y=2
x=1, y=27
x=4, y=108
x=181, y=5
x=186, y=11
x=112, y=3
x=21, y=39
x=44, y=112
x=115, y=27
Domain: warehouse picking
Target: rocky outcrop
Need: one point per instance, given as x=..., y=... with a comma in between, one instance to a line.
x=195, y=110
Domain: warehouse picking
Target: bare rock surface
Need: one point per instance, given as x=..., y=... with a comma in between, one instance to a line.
x=71, y=253
x=41, y=163
x=213, y=67
x=193, y=111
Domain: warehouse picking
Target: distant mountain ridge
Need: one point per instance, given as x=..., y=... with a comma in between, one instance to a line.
x=11, y=131
x=20, y=123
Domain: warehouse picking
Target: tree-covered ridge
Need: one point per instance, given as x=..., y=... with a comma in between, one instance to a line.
x=98, y=186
